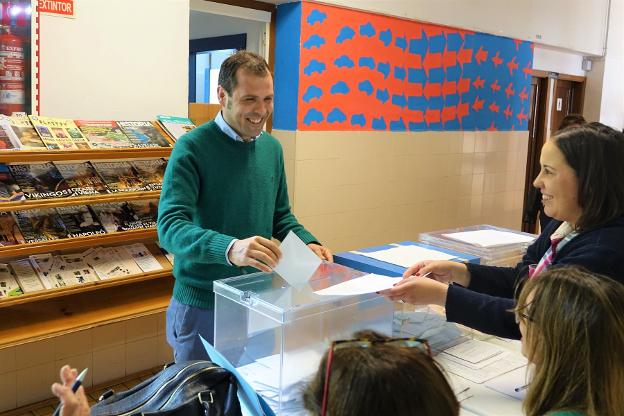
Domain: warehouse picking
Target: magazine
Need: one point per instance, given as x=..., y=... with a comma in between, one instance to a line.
x=39, y=225
x=9, y=189
x=26, y=135
x=175, y=126
x=8, y=140
x=143, y=134
x=81, y=178
x=151, y=171
x=26, y=276
x=10, y=233
x=60, y=130
x=144, y=213
x=110, y=216
x=103, y=134
x=40, y=180
x=80, y=221
x=8, y=284
x=119, y=176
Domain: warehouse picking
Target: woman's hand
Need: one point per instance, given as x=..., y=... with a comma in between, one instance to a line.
x=418, y=290
x=74, y=404
x=440, y=270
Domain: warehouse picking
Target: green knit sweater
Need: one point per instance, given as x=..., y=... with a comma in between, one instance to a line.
x=215, y=190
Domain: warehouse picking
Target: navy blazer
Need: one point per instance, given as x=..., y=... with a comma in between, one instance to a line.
x=486, y=303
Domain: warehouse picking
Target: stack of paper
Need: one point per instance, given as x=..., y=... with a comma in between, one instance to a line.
x=426, y=323
x=479, y=361
x=406, y=256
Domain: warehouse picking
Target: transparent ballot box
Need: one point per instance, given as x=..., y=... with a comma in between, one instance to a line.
x=496, y=246
x=276, y=334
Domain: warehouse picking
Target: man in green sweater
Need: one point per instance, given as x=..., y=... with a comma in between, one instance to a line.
x=223, y=198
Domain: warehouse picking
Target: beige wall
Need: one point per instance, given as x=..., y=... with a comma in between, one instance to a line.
x=357, y=189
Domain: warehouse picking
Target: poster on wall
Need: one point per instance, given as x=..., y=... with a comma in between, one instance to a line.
x=15, y=56
x=63, y=8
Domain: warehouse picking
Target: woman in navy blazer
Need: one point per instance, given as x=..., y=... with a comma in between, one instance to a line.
x=582, y=185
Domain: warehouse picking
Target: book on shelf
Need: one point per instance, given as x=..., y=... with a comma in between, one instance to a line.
x=42, y=264
x=175, y=126
x=73, y=269
x=25, y=134
x=9, y=189
x=26, y=276
x=143, y=134
x=103, y=134
x=61, y=131
x=119, y=176
x=39, y=225
x=125, y=216
x=151, y=172
x=8, y=284
x=10, y=233
x=143, y=257
x=81, y=178
x=111, y=262
x=8, y=140
x=39, y=180
x=80, y=221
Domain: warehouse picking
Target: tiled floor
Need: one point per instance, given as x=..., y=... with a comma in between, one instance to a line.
x=47, y=407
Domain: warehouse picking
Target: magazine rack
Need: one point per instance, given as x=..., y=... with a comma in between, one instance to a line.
x=51, y=312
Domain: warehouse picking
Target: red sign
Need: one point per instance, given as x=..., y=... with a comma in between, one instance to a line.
x=60, y=7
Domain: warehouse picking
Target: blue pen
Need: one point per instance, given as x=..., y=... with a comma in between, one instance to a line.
x=74, y=388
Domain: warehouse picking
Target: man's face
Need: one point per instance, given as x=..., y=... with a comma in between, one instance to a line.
x=249, y=106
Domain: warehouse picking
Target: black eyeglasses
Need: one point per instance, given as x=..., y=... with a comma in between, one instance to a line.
x=420, y=344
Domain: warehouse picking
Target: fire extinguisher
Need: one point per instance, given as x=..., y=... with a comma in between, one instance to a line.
x=12, y=63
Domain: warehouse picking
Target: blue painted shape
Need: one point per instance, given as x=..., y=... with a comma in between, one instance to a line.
x=336, y=116
x=385, y=37
x=382, y=95
x=311, y=93
x=453, y=42
x=452, y=125
x=401, y=43
x=313, y=116
x=287, y=61
x=419, y=46
x=367, y=62
x=453, y=73
x=345, y=34
x=397, y=125
x=413, y=126
x=366, y=87
x=384, y=68
x=400, y=73
x=416, y=103
x=344, y=61
x=314, y=41
x=416, y=75
x=367, y=30
x=399, y=100
x=379, y=123
x=451, y=99
x=314, y=66
x=358, y=120
x=436, y=75
x=316, y=16
x=437, y=44
x=435, y=103
x=340, y=87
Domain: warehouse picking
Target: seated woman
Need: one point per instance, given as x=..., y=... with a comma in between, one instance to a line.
x=376, y=375
x=577, y=347
x=582, y=186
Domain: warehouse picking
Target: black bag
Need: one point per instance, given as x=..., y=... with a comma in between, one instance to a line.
x=191, y=388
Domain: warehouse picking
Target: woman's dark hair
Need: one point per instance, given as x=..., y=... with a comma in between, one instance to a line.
x=572, y=120
x=383, y=379
x=596, y=153
x=248, y=61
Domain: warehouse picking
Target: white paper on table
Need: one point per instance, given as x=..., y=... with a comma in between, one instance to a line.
x=490, y=238
x=406, y=256
x=298, y=262
x=508, y=361
x=368, y=283
x=509, y=382
x=474, y=351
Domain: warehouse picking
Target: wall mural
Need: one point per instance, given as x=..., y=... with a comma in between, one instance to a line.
x=363, y=71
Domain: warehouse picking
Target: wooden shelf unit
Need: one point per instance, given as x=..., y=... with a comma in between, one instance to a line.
x=78, y=200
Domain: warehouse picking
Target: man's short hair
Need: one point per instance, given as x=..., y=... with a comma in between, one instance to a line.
x=248, y=61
